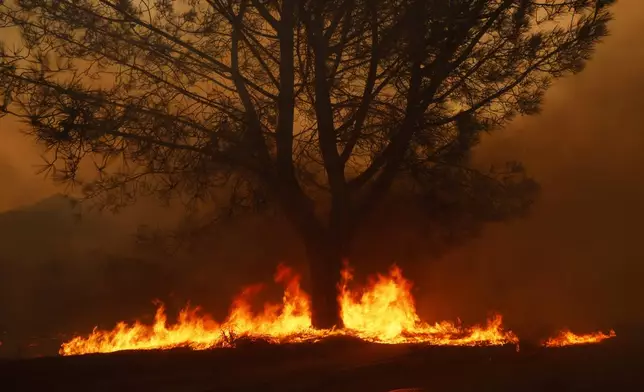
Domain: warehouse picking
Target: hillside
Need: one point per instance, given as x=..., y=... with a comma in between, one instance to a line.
x=53, y=263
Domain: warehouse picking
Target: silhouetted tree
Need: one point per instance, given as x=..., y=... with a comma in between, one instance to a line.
x=319, y=106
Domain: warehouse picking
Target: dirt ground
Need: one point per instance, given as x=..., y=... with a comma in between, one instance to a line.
x=337, y=366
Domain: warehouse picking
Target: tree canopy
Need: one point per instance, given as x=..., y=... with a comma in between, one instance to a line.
x=321, y=106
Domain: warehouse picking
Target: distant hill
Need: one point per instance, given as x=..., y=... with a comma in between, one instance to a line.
x=54, y=227
x=61, y=269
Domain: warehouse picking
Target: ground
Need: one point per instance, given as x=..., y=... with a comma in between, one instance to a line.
x=338, y=365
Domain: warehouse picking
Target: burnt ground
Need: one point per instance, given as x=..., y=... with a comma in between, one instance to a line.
x=340, y=365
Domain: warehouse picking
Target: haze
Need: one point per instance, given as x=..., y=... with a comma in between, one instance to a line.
x=575, y=261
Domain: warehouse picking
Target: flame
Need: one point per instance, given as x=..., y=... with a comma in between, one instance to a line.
x=567, y=338
x=383, y=312
x=290, y=321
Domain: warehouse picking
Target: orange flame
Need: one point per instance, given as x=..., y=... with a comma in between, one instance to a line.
x=567, y=338
x=383, y=312
x=290, y=321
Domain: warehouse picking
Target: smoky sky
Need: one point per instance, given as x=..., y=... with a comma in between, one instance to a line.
x=577, y=259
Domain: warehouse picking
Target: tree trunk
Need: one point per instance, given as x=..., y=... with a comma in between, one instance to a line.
x=326, y=248
x=325, y=264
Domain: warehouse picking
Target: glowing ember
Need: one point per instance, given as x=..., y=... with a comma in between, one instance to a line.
x=567, y=338
x=383, y=312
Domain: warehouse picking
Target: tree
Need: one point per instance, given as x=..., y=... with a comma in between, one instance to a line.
x=322, y=107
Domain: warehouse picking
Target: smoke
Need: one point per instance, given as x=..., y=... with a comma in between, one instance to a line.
x=575, y=261
x=18, y=165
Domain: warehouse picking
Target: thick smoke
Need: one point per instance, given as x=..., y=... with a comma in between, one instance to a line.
x=576, y=260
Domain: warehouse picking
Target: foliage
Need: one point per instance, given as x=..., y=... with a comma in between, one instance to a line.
x=319, y=106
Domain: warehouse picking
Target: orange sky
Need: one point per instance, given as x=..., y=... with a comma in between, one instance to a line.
x=572, y=119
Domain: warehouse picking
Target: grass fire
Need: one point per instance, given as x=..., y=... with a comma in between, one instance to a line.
x=383, y=311
x=490, y=148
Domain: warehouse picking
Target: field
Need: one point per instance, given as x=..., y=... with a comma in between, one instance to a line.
x=339, y=365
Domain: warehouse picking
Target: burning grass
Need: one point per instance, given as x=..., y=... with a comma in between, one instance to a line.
x=383, y=311
x=568, y=338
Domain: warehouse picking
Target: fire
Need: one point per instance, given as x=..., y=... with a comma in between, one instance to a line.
x=383, y=312
x=567, y=338
x=288, y=322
